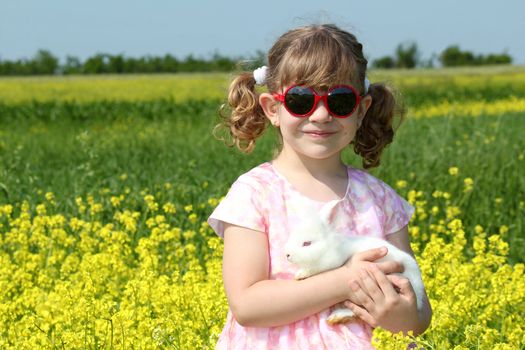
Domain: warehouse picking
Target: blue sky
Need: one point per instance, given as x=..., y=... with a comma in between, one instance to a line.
x=156, y=27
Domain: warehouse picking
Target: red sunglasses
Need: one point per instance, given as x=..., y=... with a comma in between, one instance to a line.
x=301, y=101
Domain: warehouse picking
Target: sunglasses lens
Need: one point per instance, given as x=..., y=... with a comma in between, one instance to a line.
x=299, y=100
x=341, y=101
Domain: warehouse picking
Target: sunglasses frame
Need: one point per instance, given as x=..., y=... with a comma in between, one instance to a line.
x=317, y=98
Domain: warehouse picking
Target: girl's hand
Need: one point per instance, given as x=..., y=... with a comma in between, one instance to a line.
x=366, y=259
x=376, y=301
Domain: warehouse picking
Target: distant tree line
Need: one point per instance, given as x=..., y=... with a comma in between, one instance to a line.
x=407, y=55
x=44, y=62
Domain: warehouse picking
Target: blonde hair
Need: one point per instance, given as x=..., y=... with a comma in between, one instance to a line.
x=319, y=56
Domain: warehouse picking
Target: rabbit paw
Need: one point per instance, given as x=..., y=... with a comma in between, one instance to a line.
x=302, y=274
x=340, y=316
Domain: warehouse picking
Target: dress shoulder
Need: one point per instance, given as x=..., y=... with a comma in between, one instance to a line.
x=244, y=205
x=394, y=210
x=259, y=177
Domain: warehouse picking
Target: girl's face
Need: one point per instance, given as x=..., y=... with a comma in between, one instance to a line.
x=317, y=136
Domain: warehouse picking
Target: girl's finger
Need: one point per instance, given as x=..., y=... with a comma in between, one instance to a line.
x=371, y=286
x=384, y=283
x=360, y=295
x=361, y=313
x=371, y=254
x=388, y=267
x=402, y=284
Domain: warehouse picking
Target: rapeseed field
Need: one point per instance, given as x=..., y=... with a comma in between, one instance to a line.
x=106, y=184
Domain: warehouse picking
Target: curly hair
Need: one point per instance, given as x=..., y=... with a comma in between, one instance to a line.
x=319, y=56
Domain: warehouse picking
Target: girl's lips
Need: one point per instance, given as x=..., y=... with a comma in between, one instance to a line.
x=319, y=133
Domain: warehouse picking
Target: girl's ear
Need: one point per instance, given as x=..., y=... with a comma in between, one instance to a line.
x=367, y=100
x=365, y=103
x=270, y=107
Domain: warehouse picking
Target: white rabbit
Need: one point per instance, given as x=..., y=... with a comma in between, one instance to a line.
x=315, y=246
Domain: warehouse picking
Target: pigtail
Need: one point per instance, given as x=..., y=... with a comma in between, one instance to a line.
x=243, y=117
x=377, y=130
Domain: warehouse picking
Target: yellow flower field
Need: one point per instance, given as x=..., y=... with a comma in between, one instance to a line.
x=78, y=281
x=180, y=87
x=471, y=108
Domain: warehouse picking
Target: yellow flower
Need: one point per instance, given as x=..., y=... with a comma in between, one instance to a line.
x=498, y=245
x=213, y=202
x=453, y=171
x=41, y=209
x=193, y=218
x=452, y=212
x=401, y=184
x=115, y=201
x=95, y=208
x=25, y=206
x=468, y=184
x=414, y=231
x=188, y=234
x=150, y=201
x=169, y=208
x=50, y=196
x=7, y=209
x=437, y=194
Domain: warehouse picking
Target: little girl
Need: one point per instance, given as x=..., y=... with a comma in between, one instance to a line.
x=320, y=101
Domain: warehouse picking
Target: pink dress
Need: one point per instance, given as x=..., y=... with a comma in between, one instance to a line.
x=264, y=200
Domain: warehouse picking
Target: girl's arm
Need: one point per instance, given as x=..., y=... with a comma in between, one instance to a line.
x=256, y=301
x=379, y=304
x=401, y=240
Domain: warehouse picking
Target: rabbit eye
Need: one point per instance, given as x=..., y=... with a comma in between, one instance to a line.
x=306, y=244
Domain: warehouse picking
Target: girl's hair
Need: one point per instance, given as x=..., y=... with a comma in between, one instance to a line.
x=319, y=56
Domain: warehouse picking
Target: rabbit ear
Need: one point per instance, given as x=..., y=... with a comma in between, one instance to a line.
x=328, y=212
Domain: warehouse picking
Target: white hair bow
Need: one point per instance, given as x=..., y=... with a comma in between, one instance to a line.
x=260, y=75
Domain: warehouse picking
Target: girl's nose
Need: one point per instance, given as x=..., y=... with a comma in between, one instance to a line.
x=320, y=114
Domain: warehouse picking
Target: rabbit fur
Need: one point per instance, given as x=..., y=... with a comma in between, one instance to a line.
x=315, y=246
